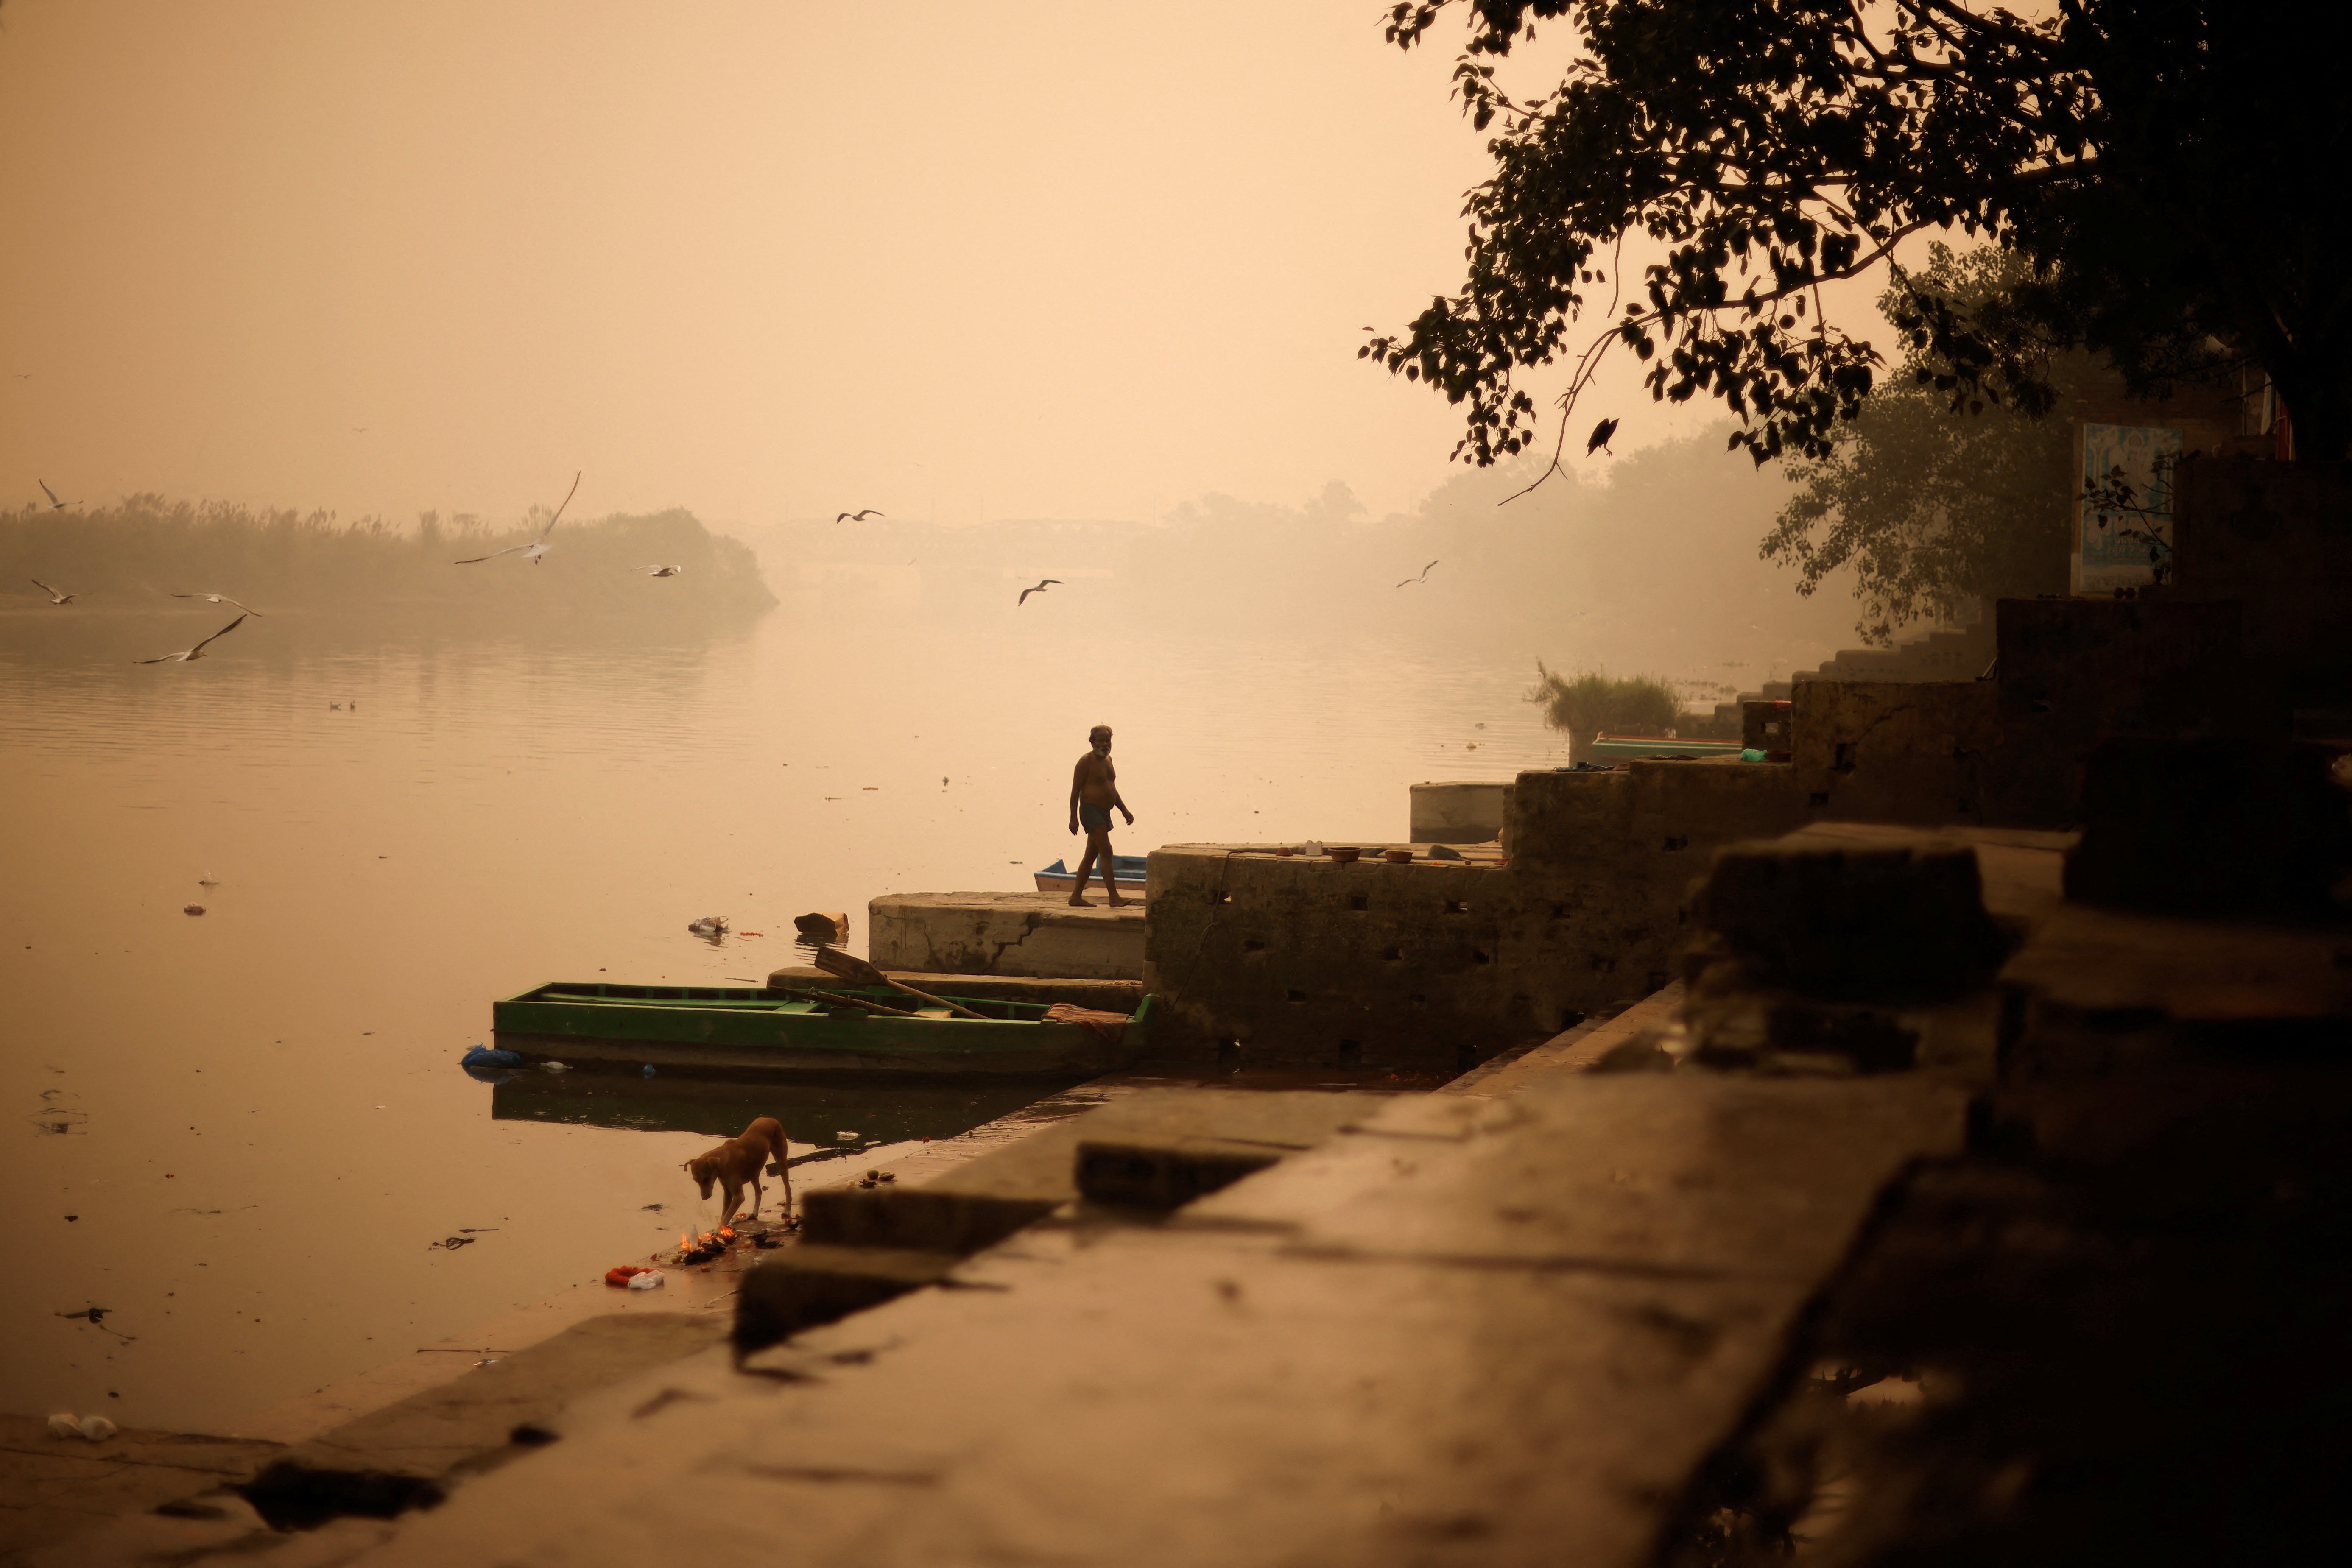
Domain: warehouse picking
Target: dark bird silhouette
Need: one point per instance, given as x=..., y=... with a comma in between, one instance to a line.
x=857, y=516
x=538, y=547
x=55, y=504
x=195, y=653
x=1043, y=584
x=219, y=599
x=55, y=597
x=1601, y=433
x=1424, y=574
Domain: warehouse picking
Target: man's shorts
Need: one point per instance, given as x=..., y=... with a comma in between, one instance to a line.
x=1094, y=819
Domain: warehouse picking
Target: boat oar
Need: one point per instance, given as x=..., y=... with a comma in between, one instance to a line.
x=848, y=966
x=829, y=998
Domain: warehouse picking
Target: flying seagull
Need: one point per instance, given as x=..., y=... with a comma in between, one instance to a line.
x=1601, y=436
x=195, y=653
x=55, y=597
x=857, y=516
x=1043, y=585
x=661, y=570
x=1424, y=574
x=538, y=547
x=219, y=599
x=55, y=504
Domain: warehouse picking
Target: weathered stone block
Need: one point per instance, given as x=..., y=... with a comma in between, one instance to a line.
x=2276, y=537
x=2074, y=670
x=2212, y=827
x=1898, y=921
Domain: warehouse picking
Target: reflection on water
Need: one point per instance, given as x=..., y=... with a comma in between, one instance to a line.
x=268, y=1125
x=818, y=1114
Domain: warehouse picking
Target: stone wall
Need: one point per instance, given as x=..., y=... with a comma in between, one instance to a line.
x=1304, y=962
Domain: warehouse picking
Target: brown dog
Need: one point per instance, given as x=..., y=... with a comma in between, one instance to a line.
x=740, y=1160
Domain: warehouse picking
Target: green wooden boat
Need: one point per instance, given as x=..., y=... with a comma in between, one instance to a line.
x=752, y=1026
x=1628, y=747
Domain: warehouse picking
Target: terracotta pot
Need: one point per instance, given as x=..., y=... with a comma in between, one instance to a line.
x=1396, y=857
x=1343, y=853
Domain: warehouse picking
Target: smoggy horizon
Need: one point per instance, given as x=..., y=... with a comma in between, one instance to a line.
x=764, y=264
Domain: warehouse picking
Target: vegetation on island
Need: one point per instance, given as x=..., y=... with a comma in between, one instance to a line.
x=1588, y=702
x=2159, y=167
x=146, y=548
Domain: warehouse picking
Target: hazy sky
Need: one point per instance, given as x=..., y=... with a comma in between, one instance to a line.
x=761, y=260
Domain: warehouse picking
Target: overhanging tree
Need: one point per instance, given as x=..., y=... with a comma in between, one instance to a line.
x=1929, y=504
x=2167, y=167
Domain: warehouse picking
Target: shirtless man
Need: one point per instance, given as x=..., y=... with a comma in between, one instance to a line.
x=1094, y=790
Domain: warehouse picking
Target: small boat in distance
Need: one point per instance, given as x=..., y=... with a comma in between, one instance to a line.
x=1126, y=871
x=835, y=1029
x=1622, y=747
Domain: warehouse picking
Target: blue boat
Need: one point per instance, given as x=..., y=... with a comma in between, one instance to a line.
x=1126, y=871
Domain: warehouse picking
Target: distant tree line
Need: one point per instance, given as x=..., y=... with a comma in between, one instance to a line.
x=147, y=548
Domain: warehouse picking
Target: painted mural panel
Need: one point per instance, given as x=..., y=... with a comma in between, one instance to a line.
x=2112, y=546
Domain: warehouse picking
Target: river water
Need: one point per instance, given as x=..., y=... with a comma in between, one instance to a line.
x=241, y=1133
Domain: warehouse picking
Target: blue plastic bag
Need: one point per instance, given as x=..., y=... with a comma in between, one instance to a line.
x=483, y=1056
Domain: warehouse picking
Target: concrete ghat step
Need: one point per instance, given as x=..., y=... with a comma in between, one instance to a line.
x=1152, y=1148
x=1490, y=1330
x=54, y=1488
x=1018, y=933
x=404, y=1455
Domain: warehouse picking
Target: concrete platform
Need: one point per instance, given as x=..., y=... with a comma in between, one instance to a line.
x=1023, y=934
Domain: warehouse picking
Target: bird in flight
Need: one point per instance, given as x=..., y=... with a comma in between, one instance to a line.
x=538, y=547
x=857, y=516
x=55, y=597
x=662, y=571
x=219, y=599
x=1424, y=574
x=1601, y=436
x=1044, y=583
x=195, y=653
x=55, y=504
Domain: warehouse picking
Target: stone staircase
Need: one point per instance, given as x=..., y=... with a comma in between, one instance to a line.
x=1946, y=654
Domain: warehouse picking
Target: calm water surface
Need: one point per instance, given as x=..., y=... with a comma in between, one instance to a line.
x=264, y=1125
